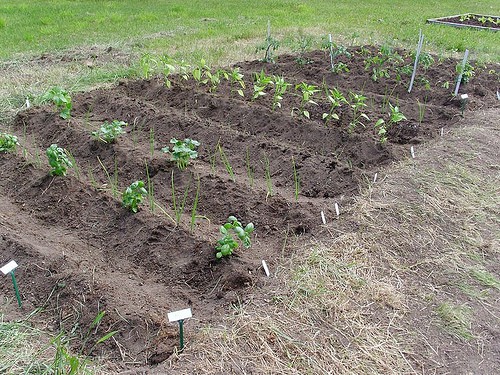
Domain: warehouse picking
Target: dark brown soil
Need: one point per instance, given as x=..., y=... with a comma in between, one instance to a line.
x=81, y=252
x=473, y=20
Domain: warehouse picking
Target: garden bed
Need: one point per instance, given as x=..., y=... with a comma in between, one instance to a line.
x=81, y=252
x=475, y=21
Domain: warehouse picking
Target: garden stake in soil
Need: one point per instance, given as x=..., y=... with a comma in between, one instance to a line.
x=323, y=217
x=337, y=210
x=266, y=270
x=417, y=55
x=464, y=98
x=180, y=316
x=9, y=268
x=459, y=78
x=412, y=151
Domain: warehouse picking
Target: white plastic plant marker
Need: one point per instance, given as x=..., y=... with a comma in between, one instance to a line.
x=442, y=132
x=179, y=316
x=464, y=96
x=9, y=267
x=323, y=219
x=266, y=269
x=375, y=177
x=498, y=95
x=337, y=210
x=412, y=150
x=28, y=103
x=175, y=316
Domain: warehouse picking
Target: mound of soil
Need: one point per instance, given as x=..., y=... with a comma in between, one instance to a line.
x=81, y=252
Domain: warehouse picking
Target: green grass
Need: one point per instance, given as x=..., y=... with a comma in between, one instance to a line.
x=35, y=27
x=456, y=320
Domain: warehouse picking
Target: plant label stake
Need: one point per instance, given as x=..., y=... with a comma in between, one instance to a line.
x=442, y=132
x=375, y=177
x=417, y=55
x=330, y=47
x=337, y=210
x=459, y=79
x=323, y=219
x=412, y=150
x=179, y=316
x=264, y=265
x=464, y=98
x=9, y=268
x=28, y=103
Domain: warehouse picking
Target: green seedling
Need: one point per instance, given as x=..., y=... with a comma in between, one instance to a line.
x=58, y=160
x=226, y=163
x=270, y=45
x=357, y=103
x=228, y=243
x=261, y=81
x=381, y=128
x=109, y=132
x=336, y=99
x=467, y=72
x=178, y=206
x=200, y=71
x=268, y=177
x=296, y=180
x=61, y=99
x=236, y=79
x=8, y=142
x=134, y=195
x=302, y=44
x=336, y=51
x=307, y=92
x=280, y=87
x=182, y=151
x=396, y=115
x=168, y=68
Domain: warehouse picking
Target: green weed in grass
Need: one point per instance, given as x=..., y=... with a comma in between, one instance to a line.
x=456, y=319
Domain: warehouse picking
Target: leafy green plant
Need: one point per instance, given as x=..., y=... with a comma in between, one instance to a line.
x=58, y=160
x=382, y=127
x=236, y=79
x=182, y=151
x=270, y=45
x=61, y=99
x=200, y=71
x=336, y=99
x=336, y=51
x=228, y=243
x=168, y=68
x=467, y=72
x=261, y=81
x=301, y=45
x=357, y=103
x=307, y=92
x=280, y=87
x=147, y=64
x=8, y=142
x=109, y=132
x=134, y=195
x=395, y=115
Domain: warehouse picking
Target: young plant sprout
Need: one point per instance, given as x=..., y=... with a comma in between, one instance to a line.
x=467, y=72
x=228, y=243
x=8, y=142
x=260, y=84
x=58, y=160
x=280, y=87
x=357, y=103
x=108, y=132
x=236, y=79
x=396, y=115
x=336, y=99
x=307, y=92
x=134, y=195
x=182, y=151
x=168, y=69
x=61, y=99
x=382, y=127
